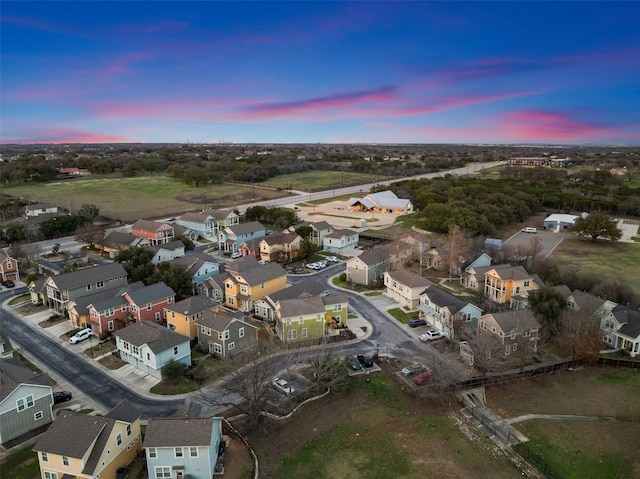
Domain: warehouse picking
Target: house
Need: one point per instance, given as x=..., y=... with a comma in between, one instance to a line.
x=492, y=245
x=183, y=231
x=74, y=171
x=514, y=329
x=405, y=287
x=249, y=281
x=478, y=259
x=250, y=248
x=621, y=329
x=166, y=251
x=500, y=284
x=447, y=313
x=67, y=287
x=199, y=266
x=85, y=447
x=38, y=291
x=309, y=318
x=340, y=241
x=149, y=303
x=283, y=247
x=149, y=347
x=473, y=277
x=204, y=225
x=6, y=349
x=223, y=218
x=116, y=241
x=590, y=305
x=368, y=268
x=231, y=237
x=265, y=308
x=31, y=211
x=213, y=287
x=382, y=202
x=8, y=267
x=319, y=230
x=182, y=315
x=183, y=447
x=26, y=399
x=559, y=222
x=153, y=231
x=225, y=333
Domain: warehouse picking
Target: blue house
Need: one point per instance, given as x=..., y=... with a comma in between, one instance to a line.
x=201, y=223
x=199, y=266
x=231, y=237
x=183, y=447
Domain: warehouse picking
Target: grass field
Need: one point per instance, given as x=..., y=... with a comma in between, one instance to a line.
x=579, y=449
x=128, y=199
x=605, y=260
x=320, y=180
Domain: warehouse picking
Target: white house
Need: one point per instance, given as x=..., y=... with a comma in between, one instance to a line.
x=340, y=241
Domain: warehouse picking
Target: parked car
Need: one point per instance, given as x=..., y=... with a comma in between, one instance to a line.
x=81, y=335
x=366, y=361
x=355, y=365
x=61, y=396
x=8, y=284
x=414, y=323
x=430, y=335
x=423, y=377
x=263, y=261
x=412, y=369
x=529, y=229
x=283, y=386
x=236, y=255
x=332, y=259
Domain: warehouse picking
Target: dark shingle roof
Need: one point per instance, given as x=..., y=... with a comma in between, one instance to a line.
x=180, y=431
x=240, y=265
x=410, y=279
x=151, y=293
x=340, y=233
x=73, y=434
x=158, y=338
x=218, y=320
x=245, y=228
x=442, y=298
x=374, y=256
x=170, y=246
x=263, y=272
x=308, y=287
x=124, y=411
x=148, y=225
x=290, y=308
x=77, y=279
x=192, y=305
x=520, y=319
x=119, y=239
x=282, y=238
x=14, y=372
x=630, y=320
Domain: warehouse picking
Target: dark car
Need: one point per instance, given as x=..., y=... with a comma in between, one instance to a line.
x=414, y=323
x=366, y=361
x=61, y=396
x=355, y=365
x=8, y=283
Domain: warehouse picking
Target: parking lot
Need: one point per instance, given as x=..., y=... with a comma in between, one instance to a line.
x=549, y=240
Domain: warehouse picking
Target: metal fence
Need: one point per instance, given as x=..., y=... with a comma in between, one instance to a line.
x=537, y=460
x=503, y=432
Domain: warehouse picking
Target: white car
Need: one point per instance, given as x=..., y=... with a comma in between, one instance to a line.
x=81, y=335
x=332, y=259
x=236, y=255
x=430, y=335
x=529, y=229
x=283, y=386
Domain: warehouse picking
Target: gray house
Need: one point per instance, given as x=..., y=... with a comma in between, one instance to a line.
x=183, y=447
x=225, y=333
x=369, y=267
x=66, y=287
x=26, y=399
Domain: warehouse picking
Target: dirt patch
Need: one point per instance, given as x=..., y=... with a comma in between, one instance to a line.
x=27, y=308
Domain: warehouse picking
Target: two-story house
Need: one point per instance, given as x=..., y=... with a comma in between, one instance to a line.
x=621, y=329
x=513, y=329
x=183, y=447
x=368, y=268
x=181, y=316
x=282, y=247
x=405, y=287
x=166, y=251
x=67, y=287
x=249, y=281
x=473, y=277
x=225, y=333
x=149, y=347
x=340, y=241
x=116, y=241
x=8, y=267
x=88, y=447
x=447, y=313
x=231, y=237
x=199, y=266
x=152, y=231
x=310, y=318
x=319, y=230
x=26, y=399
x=500, y=284
x=213, y=287
x=589, y=304
x=265, y=308
x=204, y=224
x=149, y=303
x=223, y=218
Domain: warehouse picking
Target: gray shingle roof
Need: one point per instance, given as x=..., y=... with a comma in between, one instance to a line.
x=410, y=279
x=192, y=305
x=630, y=320
x=124, y=411
x=282, y=238
x=77, y=279
x=244, y=228
x=340, y=233
x=119, y=239
x=110, y=297
x=170, y=246
x=290, y=308
x=373, y=256
x=151, y=293
x=14, y=372
x=73, y=434
x=246, y=263
x=442, y=298
x=180, y=431
x=219, y=320
x=521, y=319
x=308, y=287
x=148, y=225
x=158, y=338
x=514, y=272
x=264, y=272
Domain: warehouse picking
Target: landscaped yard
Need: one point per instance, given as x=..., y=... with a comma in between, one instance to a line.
x=402, y=315
x=21, y=465
x=320, y=180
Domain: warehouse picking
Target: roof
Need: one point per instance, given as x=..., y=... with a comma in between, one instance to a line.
x=341, y=233
x=37, y=285
x=384, y=199
x=240, y=265
x=321, y=225
x=521, y=319
x=482, y=270
x=586, y=301
x=513, y=272
x=562, y=218
x=218, y=214
x=218, y=280
x=409, y=278
x=150, y=293
x=148, y=225
x=306, y=288
x=119, y=239
x=334, y=299
x=373, y=256
x=264, y=272
x=195, y=217
x=73, y=434
x=13, y=372
x=158, y=338
x=443, y=298
x=77, y=279
x=290, y=308
x=219, y=320
x=180, y=431
x=244, y=228
x=104, y=299
x=630, y=320
x=282, y=238
x=171, y=246
x=192, y=305
x=124, y=411
x=563, y=289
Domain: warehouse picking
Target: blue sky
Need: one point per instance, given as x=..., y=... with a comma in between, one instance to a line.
x=329, y=72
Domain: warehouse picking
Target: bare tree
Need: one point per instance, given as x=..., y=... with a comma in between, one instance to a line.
x=535, y=247
x=90, y=234
x=581, y=335
x=487, y=350
x=457, y=249
x=329, y=372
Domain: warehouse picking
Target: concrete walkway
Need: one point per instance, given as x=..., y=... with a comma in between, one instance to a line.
x=569, y=417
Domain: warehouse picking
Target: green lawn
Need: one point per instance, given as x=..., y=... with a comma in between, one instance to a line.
x=21, y=465
x=320, y=180
x=402, y=315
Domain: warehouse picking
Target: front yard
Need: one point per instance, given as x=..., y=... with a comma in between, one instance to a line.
x=401, y=315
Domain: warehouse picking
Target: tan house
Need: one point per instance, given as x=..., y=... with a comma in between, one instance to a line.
x=405, y=287
x=515, y=329
x=86, y=447
x=500, y=284
x=282, y=247
x=250, y=281
x=181, y=316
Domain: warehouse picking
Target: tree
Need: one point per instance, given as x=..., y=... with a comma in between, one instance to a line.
x=487, y=351
x=304, y=231
x=90, y=234
x=176, y=277
x=547, y=304
x=598, y=224
x=329, y=372
x=457, y=249
x=137, y=263
x=174, y=370
x=535, y=247
x=307, y=249
x=15, y=233
x=188, y=244
x=89, y=212
x=581, y=335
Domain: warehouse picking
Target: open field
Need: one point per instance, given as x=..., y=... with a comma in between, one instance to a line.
x=321, y=180
x=579, y=449
x=605, y=260
x=128, y=199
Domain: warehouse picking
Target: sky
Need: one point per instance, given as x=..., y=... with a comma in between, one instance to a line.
x=509, y=72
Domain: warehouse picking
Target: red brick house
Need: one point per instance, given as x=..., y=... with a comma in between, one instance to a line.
x=152, y=231
x=148, y=303
x=8, y=267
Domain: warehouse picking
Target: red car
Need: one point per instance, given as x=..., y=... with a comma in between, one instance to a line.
x=423, y=377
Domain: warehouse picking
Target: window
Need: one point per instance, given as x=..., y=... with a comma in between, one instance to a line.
x=527, y=333
x=45, y=457
x=304, y=332
x=175, y=350
x=148, y=306
x=37, y=416
x=337, y=308
x=193, y=452
x=293, y=334
x=515, y=346
x=65, y=460
x=300, y=320
x=217, y=348
x=241, y=333
x=50, y=475
x=88, y=287
x=148, y=356
x=152, y=453
x=119, y=439
x=158, y=317
x=226, y=334
x=128, y=429
x=231, y=346
x=513, y=334
x=110, y=326
x=135, y=350
x=20, y=404
x=178, y=452
x=100, y=284
x=526, y=284
x=108, y=312
x=243, y=288
x=123, y=308
x=163, y=471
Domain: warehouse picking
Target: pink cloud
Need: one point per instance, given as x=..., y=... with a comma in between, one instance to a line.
x=66, y=135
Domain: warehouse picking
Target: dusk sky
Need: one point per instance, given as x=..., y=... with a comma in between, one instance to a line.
x=328, y=72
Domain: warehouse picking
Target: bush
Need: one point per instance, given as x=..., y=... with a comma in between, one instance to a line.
x=343, y=277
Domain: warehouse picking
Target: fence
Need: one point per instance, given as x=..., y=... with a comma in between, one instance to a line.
x=504, y=433
x=537, y=460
